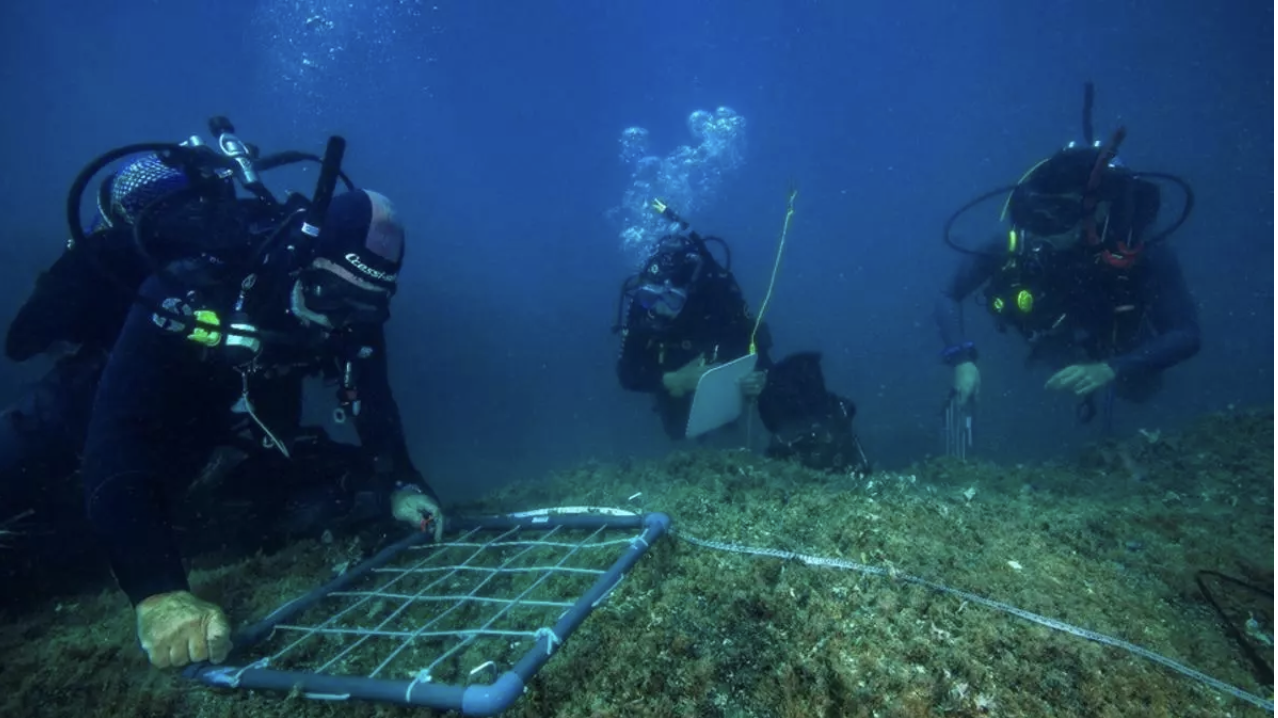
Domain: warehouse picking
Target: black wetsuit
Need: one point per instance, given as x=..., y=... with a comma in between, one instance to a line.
x=715, y=324
x=1140, y=320
x=42, y=432
x=165, y=403
x=807, y=422
x=73, y=303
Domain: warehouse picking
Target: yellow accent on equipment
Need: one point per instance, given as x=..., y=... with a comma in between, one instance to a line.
x=1025, y=301
x=776, y=266
x=202, y=335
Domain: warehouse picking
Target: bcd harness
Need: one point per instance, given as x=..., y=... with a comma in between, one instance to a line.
x=247, y=232
x=1036, y=291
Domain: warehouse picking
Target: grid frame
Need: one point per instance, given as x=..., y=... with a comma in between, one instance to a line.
x=523, y=544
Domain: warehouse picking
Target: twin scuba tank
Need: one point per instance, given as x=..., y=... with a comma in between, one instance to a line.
x=183, y=207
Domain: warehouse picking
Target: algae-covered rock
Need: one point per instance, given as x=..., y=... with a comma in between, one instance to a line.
x=694, y=631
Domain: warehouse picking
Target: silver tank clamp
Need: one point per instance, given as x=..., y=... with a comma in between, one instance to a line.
x=232, y=146
x=241, y=153
x=245, y=344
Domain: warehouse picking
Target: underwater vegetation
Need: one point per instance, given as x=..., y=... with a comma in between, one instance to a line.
x=1112, y=541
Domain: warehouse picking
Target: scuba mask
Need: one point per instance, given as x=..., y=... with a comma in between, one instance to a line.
x=661, y=300
x=668, y=278
x=338, y=302
x=661, y=289
x=1044, y=215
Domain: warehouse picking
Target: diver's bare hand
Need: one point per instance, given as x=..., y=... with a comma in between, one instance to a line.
x=752, y=384
x=684, y=380
x=1082, y=379
x=413, y=507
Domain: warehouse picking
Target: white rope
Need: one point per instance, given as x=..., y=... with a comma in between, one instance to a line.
x=1052, y=623
x=571, y=510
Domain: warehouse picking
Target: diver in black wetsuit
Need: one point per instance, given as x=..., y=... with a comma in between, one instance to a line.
x=242, y=299
x=74, y=314
x=685, y=315
x=1084, y=276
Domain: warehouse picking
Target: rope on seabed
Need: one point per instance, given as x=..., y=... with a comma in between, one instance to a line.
x=13, y=521
x=1052, y=623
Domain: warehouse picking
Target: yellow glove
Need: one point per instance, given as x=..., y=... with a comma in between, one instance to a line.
x=411, y=506
x=1081, y=379
x=177, y=628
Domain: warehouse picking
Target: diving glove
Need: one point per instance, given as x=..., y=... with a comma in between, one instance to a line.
x=176, y=628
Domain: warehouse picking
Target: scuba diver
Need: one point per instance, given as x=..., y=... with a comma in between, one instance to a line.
x=73, y=316
x=684, y=314
x=233, y=301
x=1084, y=275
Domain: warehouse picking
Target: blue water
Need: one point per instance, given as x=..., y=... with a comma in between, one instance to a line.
x=519, y=138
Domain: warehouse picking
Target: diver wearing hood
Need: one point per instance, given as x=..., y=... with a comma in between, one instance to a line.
x=234, y=301
x=685, y=314
x=1083, y=275
x=74, y=316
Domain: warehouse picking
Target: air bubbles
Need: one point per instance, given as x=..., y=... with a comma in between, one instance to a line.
x=687, y=178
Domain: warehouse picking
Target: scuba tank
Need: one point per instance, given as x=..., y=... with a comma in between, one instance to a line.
x=174, y=191
x=182, y=206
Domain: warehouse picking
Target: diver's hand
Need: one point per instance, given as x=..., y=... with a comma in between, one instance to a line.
x=967, y=382
x=684, y=379
x=1082, y=379
x=752, y=384
x=177, y=628
x=411, y=506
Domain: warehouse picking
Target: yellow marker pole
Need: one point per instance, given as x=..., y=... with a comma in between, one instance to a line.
x=776, y=267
